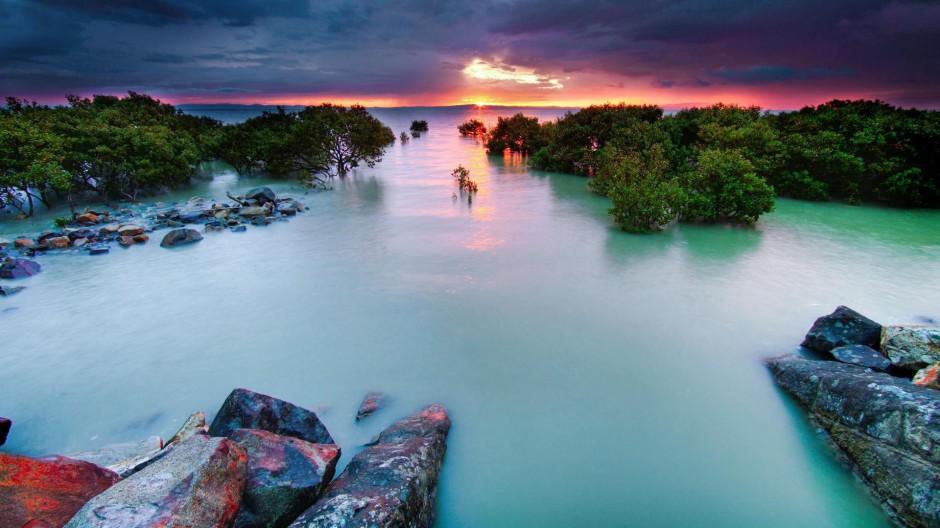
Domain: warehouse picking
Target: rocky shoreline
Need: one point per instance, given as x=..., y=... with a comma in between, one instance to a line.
x=96, y=232
x=875, y=397
x=262, y=462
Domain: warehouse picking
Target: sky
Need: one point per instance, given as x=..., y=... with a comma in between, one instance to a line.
x=778, y=54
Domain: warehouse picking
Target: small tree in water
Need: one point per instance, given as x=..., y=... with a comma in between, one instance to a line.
x=464, y=183
x=419, y=126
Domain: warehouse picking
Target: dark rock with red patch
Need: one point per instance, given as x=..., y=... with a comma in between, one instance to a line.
x=886, y=427
x=19, y=268
x=371, y=403
x=198, y=483
x=390, y=483
x=5, y=425
x=244, y=409
x=49, y=489
x=844, y=326
x=285, y=477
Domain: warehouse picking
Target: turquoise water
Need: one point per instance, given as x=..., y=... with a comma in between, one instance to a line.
x=595, y=378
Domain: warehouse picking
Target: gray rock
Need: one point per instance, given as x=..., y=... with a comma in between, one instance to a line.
x=178, y=237
x=391, y=483
x=123, y=459
x=194, y=425
x=10, y=290
x=886, y=427
x=911, y=347
x=262, y=195
x=844, y=326
x=285, y=477
x=198, y=483
x=862, y=356
x=252, y=211
x=244, y=409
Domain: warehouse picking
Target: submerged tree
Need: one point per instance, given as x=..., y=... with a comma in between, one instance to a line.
x=517, y=134
x=419, y=126
x=473, y=127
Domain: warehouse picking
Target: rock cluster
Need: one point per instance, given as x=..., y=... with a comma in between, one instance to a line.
x=885, y=424
x=263, y=462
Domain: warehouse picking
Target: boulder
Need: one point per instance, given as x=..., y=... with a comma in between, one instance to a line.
x=141, y=239
x=844, y=326
x=886, y=427
x=392, y=482
x=194, y=425
x=109, y=229
x=252, y=211
x=262, y=195
x=130, y=230
x=86, y=219
x=79, y=242
x=289, y=206
x=49, y=489
x=22, y=243
x=244, y=409
x=178, y=237
x=82, y=233
x=174, y=223
x=862, y=356
x=911, y=347
x=926, y=377
x=60, y=242
x=19, y=268
x=198, y=483
x=124, y=459
x=5, y=425
x=285, y=477
x=191, y=218
x=371, y=403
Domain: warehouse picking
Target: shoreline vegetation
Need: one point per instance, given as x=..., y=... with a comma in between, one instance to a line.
x=720, y=163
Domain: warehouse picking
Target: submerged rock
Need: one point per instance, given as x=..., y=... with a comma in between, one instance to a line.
x=926, y=377
x=862, y=356
x=47, y=489
x=194, y=425
x=244, y=409
x=19, y=268
x=262, y=195
x=844, y=326
x=887, y=427
x=124, y=459
x=198, y=483
x=10, y=290
x=911, y=347
x=285, y=477
x=178, y=237
x=371, y=403
x=390, y=483
x=5, y=425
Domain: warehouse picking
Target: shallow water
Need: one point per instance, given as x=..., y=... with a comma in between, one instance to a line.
x=595, y=378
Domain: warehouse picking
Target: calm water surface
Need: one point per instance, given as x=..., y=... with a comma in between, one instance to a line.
x=595, y=378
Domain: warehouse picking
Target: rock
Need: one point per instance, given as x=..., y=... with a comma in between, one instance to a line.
x=130, y=230
x=191, y=218
x=886, y=427
x=79, y=242
x=123, y=459
x=177, y=237
x=262, y=195
x=844, y=326
x=194, y=425
x=392, y=482
x=289, y=206
x=252, y=211
x=371, y=403
x=46, y=235
x=5, y=425
x=49, y=489
x=198, y=483
x=911, y=347
x=109, y=229
x=86, y=219
x=126, y=241
x=260, y=221
x=285, y=477
x=82, y=233
x=221, y=214
x=23, y=243
x=244, y=409
x=861, y=355
x=60, y=242
x=10, y=290
x=97, y=250
x=19, y=268
x=174, y=223
x=926, y=377
x=239, y=229
x=141, y=239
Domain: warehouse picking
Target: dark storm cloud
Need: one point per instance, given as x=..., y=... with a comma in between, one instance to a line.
x=879, y=47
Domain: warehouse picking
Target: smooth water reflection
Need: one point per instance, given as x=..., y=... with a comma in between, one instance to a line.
x=595, y=378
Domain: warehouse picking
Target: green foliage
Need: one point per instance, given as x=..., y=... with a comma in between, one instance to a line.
x=404, y=137
x=464, y=183
x=31, y=156
x=316, y=143
x=472, y=127
x=419, y=126
x=643, y=196
x=517, y=134
x=61, y=221
x=723, y=185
